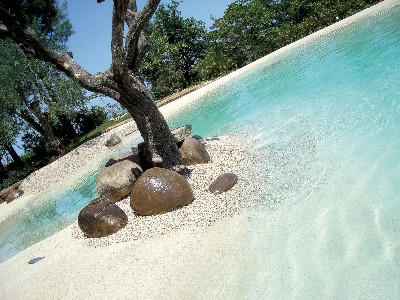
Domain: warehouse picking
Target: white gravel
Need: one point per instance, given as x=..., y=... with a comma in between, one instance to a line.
x=228, y=154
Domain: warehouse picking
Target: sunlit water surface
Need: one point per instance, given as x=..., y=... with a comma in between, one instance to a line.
x=332, y=105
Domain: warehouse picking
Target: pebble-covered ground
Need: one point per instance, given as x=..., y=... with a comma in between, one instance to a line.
x=264, y=189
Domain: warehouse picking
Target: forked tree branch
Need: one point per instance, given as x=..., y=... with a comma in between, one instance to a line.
x=135, y=28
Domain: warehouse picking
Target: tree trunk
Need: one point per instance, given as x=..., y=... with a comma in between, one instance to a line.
x=17, y=160
x=160, y=143
x=49, y=133
x=46, y=129
x=24, y=115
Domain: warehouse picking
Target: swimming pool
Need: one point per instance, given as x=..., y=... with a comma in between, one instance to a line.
x=333, y=105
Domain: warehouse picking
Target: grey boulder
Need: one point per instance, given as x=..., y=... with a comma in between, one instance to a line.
x=117, y=180
x=113, y=140
x=193, y=152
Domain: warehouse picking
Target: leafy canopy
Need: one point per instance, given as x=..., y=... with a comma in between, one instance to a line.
x=177, y=44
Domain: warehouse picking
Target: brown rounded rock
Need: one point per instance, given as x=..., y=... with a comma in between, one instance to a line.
x=117, y=180
x=113, y=140
x=193, y=152
x=160, y=190
x=223, y=183
x=101, y=217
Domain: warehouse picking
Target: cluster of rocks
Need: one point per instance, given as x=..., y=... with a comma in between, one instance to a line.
x=152, y=190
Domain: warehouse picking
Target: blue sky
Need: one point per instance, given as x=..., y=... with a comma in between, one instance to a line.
x=91, y=22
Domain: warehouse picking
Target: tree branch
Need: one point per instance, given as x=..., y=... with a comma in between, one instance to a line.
x=132, y=50
x=28, y=40
x=131, y=13
x=141, y=50
x=117, y=40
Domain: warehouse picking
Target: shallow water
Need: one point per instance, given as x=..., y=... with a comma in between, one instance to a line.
x=331, y=108
x=334, y=107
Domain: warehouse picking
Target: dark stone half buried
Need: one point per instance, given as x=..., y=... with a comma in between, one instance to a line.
x=223, y=183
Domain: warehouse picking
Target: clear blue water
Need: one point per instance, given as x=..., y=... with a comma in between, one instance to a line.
x=339, y=95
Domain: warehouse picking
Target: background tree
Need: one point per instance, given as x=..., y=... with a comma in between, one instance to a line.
x=9, y=129
x=43, y=97
x=304, y=17
x=121, y=81
x=251, y=29
x=38, y=94
x=177, y=44
x=246, y=32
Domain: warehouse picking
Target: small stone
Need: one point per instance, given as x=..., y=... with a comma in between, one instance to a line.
x=212, y=138
x=35, y=260
x=14, y=194
x=113, y=140
x=101, y=217
x=223, y=183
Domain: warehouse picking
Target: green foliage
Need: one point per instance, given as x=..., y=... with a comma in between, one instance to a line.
x=177, y=44
x=251, y=29
x=41, y=12
x=34, y=92
x=245, y=33
x=89, y=119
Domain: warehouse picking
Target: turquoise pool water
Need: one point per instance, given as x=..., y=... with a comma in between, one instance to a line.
x=334, y=106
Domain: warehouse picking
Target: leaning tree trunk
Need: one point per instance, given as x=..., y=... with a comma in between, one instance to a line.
x=45, y=124
x=24, y=115
x=49, y=133
x=44, y=128
x=151, y=124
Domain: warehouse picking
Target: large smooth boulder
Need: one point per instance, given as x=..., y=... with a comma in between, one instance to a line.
x=193, y=152
x=124, y=156
x=101, y=217
x=160, y=190
x=117, y=180
x=223, y=183
x=113, y=140
x=181, y=133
